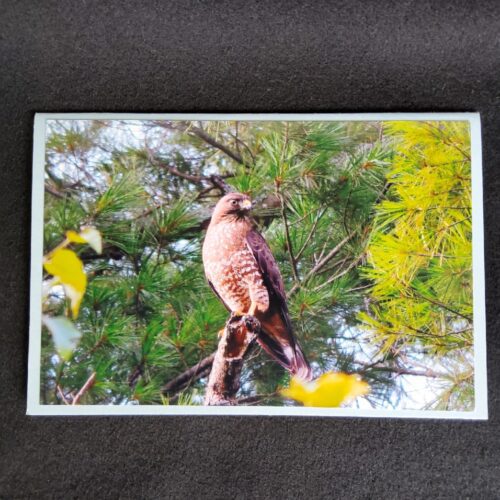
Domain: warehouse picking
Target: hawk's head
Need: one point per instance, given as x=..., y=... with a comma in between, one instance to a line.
x=233, y=204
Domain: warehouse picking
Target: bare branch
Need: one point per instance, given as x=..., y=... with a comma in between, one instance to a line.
x=310, y=235
x=199, y=370
x=335, y=277
x=211, y=181
x=224, y=380
x=84, y=389
x=61, y=394
x=53, y=191
x=293, y=260
x=204, y=136
x=334, y=251
x=255, y=399
x=398, y=371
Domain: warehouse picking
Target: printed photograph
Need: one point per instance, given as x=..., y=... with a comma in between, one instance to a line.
x=307, y=263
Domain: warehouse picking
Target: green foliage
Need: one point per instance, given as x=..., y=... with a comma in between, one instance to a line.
x=337, y=203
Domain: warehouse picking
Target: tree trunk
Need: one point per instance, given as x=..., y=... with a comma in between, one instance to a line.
x=224, y=380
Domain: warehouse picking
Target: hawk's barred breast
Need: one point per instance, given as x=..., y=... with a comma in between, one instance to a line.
x=231, y=267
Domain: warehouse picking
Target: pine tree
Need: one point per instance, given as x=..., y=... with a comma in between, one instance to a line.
x=421, y=259
x=324, y=193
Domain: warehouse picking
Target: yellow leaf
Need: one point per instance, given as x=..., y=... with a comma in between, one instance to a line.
x=329, y=390
x=88, y=235
x=74, y=237
x=68, y=269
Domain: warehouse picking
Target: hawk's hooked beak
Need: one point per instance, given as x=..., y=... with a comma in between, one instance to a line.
x=246, y=205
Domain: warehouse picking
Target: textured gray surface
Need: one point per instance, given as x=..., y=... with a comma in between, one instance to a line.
x=239, y=56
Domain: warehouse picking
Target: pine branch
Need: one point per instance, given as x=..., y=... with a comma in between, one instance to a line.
x=293, y=260
x=321, y=263
x=439, y=135
x=90, y=382
x=204, y=136
x=443, y=306
x=186, y=378
x=310, y=235
x=335, y=277
x=54, y=192
x=210, y=181
x=428, y=372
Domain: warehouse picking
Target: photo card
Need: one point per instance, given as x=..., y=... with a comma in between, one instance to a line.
x=258, y=264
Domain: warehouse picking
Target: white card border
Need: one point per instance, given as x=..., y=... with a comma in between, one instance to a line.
x=480, y=411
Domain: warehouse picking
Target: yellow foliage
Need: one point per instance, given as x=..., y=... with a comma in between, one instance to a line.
x=420, y=252
x=75, y=237
x=329, y=390
x=89, y=235
x=65, y=265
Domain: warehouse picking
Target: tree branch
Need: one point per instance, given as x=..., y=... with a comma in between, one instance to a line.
x=322, y=262
x=211, y=181
x=398, y=371
x=224, y=380
x=255, y=399
x=204, y=136
x=195, y=179
x=335, y=277
x=446, y=141
x=293, y=260
x=84, y=389
x=310, y=235
x=62, y=395
x=53, y=191
x=199, y=370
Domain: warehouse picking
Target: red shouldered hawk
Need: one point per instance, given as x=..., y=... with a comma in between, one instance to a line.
x=241, y=270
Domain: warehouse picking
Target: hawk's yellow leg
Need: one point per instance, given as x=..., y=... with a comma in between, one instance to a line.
x=251, y=311
x=253, y=307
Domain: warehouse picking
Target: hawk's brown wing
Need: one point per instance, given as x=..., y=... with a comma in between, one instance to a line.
x=277, y=336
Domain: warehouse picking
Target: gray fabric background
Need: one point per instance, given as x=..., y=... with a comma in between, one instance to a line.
x=286, y=56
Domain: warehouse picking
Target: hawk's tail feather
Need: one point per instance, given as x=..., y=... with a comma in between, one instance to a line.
x=302, y=366
x=290, y=358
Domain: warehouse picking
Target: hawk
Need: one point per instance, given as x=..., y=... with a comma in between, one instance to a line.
x=244, y=275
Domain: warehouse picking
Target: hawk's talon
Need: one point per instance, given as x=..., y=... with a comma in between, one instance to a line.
x=252, y=323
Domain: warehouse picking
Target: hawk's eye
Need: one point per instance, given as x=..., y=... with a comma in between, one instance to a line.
x=234, y=202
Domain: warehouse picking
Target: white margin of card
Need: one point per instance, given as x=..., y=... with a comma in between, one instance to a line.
x=34, y=407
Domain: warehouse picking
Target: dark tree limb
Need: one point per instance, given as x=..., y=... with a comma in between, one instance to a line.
x=224, y=380
x=209, y=182
x=293, y=260
x=199, y=370
x=398, y=371
x=204, y=136
x=219, y=182
x=53, y=191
